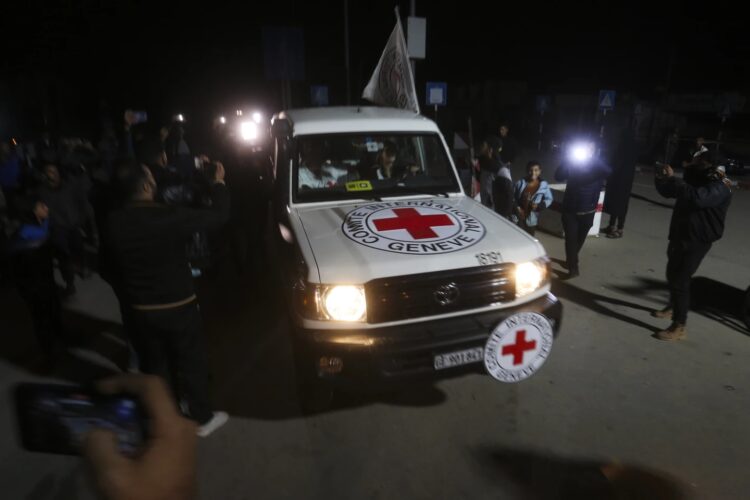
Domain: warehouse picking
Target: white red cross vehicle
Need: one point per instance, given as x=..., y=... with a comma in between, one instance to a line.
x=392, y=270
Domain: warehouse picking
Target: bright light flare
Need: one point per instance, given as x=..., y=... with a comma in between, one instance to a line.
x=529, y=277
x=582, y=152
x=249, y=131
x=345, y=303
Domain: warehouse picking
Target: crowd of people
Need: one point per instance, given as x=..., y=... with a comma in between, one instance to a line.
x=144, y=211
x=141, y=207
x=702, y=197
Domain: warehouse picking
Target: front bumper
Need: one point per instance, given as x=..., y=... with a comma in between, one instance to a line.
x=396, y=353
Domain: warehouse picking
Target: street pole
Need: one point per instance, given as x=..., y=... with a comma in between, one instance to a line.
x=413, y=13
x=601, y=134
x=346, y=50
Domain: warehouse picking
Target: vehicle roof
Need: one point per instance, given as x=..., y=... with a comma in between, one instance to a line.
x=356, y=119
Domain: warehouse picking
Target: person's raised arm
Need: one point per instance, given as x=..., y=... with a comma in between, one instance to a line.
x=191, y=220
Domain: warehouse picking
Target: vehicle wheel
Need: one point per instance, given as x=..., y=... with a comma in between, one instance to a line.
x=746, y=308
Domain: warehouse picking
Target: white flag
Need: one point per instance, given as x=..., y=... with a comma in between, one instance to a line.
x=392, y=83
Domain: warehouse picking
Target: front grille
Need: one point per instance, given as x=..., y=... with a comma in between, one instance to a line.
x=414, y=296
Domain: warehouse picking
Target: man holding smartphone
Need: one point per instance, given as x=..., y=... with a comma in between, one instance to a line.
x=702, y=200
x=147, y=250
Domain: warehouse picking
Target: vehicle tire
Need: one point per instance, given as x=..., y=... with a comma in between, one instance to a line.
x=745, y=313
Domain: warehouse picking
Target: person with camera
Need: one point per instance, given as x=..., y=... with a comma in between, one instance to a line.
x=702, y=200
x=585, y=175
x=149, y=268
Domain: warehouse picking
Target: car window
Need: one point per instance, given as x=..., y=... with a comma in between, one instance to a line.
x=336, y=166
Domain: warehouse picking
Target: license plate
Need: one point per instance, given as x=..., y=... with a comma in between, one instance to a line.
x=459, y=358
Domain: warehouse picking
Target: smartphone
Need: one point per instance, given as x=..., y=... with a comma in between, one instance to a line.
x=140, y=117
x=56, y=418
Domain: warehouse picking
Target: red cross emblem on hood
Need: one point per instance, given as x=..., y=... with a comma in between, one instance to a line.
x=417, y=225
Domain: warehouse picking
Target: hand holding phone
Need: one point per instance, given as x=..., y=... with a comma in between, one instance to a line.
x=56, y=418
x=163, y=466
x=166, y=468
x=140, y=117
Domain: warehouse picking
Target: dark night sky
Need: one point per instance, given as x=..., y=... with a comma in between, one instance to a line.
x=175, y=57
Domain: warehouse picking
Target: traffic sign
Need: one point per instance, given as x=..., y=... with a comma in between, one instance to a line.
x=607, y=99
x=437, y=93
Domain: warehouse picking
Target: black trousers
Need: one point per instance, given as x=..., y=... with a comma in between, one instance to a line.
x=33, y=276
x=617, y=220
x=169, y=343
x=69, y=250
x=576, y=227
x=684, y=258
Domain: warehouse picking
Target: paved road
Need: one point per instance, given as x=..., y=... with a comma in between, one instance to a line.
x=610, y=398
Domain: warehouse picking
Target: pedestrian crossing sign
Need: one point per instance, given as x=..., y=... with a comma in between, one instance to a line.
x=606, y=99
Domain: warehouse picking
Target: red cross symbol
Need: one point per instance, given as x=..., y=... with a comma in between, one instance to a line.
x=518, y=349
x=419, y=226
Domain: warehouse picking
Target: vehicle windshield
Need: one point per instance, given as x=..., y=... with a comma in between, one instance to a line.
x=331, y=167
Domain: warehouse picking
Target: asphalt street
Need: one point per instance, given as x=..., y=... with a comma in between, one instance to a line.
x=612, y=409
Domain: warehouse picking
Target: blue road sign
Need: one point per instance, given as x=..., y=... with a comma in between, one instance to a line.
x=319, y=95
x=607, y=99
x=437, y=93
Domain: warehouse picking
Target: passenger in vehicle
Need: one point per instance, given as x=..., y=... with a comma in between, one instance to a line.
x=314, y=170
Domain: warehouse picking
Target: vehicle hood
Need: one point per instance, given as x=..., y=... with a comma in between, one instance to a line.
x=342, y=238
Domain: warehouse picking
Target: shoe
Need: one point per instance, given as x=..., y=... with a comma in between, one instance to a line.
x=609, y=231
x=573, y=273
x=665, y=313
x=220, y=418
x=676, y=331
x=617, y=233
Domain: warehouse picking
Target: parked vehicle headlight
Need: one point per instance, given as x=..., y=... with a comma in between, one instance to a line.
x=530, y=276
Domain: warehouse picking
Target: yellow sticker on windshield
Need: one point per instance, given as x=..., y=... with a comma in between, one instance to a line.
x=359, y=186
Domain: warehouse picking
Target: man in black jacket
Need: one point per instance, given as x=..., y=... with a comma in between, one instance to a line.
x=702, y=201
x=152, y=276
x=585, y=177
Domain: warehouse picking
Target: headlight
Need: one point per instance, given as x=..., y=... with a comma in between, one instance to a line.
x=344, y=303
x=330, y=303
x=530, y=276
x=249, y=131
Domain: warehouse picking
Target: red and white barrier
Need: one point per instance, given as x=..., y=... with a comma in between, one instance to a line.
x=550, y=220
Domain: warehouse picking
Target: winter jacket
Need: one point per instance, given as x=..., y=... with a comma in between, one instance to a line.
x=584, y=183
x=542, y=198
x=699, y=211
